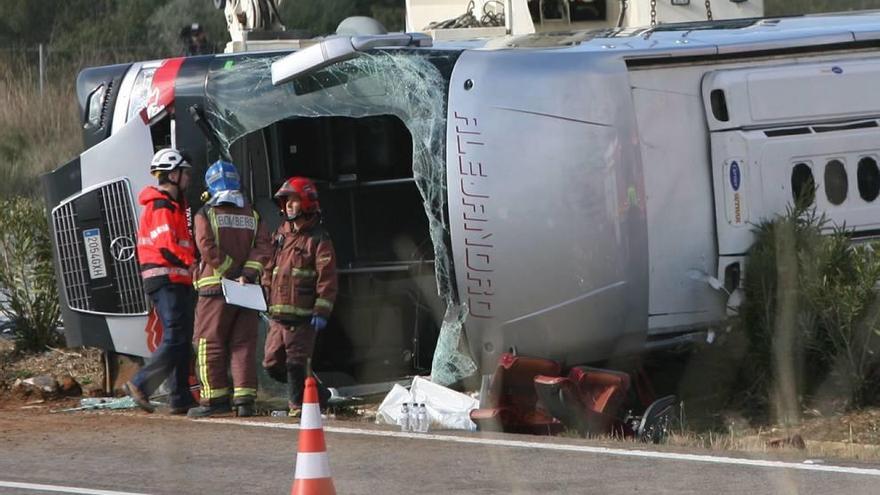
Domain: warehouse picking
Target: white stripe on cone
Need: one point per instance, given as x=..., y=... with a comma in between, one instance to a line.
x=311, y=417
x=312, y=465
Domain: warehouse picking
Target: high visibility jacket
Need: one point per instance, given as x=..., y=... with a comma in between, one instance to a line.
x=233, y=242
x=301, y=278
x=165, y=247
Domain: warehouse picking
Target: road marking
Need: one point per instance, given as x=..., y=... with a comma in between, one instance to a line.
x=586, y=449
x=62, y=489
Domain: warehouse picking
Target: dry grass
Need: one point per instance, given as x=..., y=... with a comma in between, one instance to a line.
x=838, y=434
x=760, y=443
x=861, y=446
x=37, y=133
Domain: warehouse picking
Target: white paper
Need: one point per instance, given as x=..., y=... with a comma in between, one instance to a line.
x=245, y=295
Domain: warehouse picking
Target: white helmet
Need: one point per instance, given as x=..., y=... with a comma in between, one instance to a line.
x=168, y=159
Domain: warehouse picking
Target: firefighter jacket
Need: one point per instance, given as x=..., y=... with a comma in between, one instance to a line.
x=233, y=242
x=165, y=247
x=301, y=278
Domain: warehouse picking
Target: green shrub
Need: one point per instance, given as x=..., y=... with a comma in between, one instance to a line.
x=839, y=284
x=27, y=277
x=810, y=314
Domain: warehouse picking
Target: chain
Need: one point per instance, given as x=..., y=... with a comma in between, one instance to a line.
x=709, y=9
x=654, y=12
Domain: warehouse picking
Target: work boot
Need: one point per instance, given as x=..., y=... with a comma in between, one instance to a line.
x=244, y=407
x=296, y=377
x=138, y=397
x=212, y=408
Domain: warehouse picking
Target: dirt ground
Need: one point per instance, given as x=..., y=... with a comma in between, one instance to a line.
x=836, y=434
x=83, y=365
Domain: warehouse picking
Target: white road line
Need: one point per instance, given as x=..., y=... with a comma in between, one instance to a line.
x=61, y=489
x=669, y=456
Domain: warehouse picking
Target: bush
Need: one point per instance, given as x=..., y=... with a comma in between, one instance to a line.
x=840, y=287
x=27, y=277
x=810, y=314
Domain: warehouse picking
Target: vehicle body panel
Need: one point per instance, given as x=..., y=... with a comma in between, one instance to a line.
x=588, y=187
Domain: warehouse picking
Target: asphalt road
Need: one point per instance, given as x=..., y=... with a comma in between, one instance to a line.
x=137, y=453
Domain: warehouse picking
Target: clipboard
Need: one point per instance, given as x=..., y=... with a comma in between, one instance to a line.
x=245, y=295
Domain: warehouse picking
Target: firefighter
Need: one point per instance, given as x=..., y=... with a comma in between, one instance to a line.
x=301, y=284
x=166, y=252
x=233, y=244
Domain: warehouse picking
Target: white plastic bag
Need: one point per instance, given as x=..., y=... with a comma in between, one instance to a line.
x=389, y=409
x=447, y=409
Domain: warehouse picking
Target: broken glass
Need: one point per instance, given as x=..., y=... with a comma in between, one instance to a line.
x=409, y=84
x=452, y=361
x=112, y=403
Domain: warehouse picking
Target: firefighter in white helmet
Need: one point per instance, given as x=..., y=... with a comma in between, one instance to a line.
x=166, y=252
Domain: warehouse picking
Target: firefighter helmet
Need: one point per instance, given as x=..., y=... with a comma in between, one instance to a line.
x=222, y=176
x=304, y=189
x=168, y=159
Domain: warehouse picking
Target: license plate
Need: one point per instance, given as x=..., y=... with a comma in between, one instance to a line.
x=95, y=253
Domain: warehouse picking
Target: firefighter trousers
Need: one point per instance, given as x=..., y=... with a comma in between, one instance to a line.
x=226, y=341
x=288, y=344
x=288, y=350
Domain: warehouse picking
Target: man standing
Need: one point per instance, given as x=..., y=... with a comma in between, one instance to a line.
x=233, y=244
x=165, y=252
x=302, y=286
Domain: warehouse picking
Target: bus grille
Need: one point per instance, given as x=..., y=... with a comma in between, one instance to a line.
x=118, y=223
x=74, y=276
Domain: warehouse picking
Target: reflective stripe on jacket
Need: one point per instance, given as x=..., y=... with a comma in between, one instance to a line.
x=301, y=278
x=233, y=242
x=164, y=239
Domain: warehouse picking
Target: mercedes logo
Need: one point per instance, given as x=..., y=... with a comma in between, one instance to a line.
x=122, y=248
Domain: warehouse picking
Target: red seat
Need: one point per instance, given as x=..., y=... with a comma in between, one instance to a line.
x=602, y=391
x=512, y=403
x=587, y=400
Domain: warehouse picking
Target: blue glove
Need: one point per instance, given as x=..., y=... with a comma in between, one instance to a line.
x=319, y=322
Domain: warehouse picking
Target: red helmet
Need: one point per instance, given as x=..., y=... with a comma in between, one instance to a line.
x=304, y=189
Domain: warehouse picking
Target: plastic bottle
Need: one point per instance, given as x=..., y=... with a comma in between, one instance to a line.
x=279, y=414
x=424, y=421
x=414, y=417
x=404, y=417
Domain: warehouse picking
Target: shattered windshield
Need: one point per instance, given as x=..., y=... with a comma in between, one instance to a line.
x=411, y=85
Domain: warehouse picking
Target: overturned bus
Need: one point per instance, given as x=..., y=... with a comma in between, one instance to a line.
x=575, y=196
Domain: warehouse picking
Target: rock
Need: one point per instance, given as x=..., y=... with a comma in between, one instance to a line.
x=795, y=441
x=70, y=387
x=43, y=386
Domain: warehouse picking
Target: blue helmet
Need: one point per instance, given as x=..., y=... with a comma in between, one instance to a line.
x=222, y=176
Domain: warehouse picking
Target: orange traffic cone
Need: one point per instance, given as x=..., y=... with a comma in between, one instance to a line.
x=312, y=464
